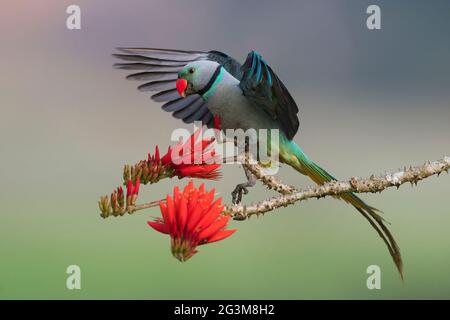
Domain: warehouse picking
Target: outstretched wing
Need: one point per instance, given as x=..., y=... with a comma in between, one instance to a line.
x=263, y=87
x=159, y=69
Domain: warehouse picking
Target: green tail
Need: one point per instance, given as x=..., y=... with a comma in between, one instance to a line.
x=293, y=155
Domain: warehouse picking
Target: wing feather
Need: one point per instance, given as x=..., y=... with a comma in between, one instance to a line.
x=197, y=115
x=157, y=85
x=263, y=88
x=166, y=95
x=160, y=67
x=180, y=103
x=189, y=110
x=148, y=67
x=151, y=76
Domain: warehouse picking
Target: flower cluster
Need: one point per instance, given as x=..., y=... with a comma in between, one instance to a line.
x=191, y=217
x=116, y=204
x=194, y=158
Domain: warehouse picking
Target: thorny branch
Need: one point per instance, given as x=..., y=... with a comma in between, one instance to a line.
x=270, y=181
x=289, y=195
x=372, y=184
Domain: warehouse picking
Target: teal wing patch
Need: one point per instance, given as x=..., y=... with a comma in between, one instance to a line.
x=263, y=88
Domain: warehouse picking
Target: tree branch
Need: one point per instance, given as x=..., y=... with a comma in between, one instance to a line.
x=356, y=185
x=270, y=181
x=290, y=195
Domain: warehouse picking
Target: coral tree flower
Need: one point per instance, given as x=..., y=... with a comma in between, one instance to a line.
x=191, y=218
x=132, y=191
x=193, y=159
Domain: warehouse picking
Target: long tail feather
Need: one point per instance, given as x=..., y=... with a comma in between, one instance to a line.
x=304, y=165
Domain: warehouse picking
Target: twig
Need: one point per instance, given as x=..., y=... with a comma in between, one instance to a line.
x=133, y=209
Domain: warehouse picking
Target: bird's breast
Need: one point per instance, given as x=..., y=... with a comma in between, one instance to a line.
x=236, y=111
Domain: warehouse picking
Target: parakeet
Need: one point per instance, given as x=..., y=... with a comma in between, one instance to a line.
x=197, y=85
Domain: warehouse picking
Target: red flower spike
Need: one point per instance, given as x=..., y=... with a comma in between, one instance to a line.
x=157, y=154
x=221, y=235
x=136, y=186
x=158, y=226
x=214, y=228
x=164, y=213
x=191, y=218
x=192, y=159
x=129, y=188
x=171, y=221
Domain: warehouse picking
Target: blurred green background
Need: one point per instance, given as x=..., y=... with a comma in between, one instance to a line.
x=370, y=101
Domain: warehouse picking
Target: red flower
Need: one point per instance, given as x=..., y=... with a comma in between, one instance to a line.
x=192, y=159
x=191, y=218
x=132, y=191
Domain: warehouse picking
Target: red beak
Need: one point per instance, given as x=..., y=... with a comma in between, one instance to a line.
x=181, y=85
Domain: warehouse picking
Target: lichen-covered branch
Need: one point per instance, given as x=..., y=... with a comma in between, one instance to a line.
x=370, y=185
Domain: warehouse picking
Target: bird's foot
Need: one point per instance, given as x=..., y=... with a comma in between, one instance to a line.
x=238, y=191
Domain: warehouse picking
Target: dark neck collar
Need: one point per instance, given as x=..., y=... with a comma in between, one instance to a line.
x=215, y=79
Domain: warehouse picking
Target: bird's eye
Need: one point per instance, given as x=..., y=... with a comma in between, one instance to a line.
x=191, y=70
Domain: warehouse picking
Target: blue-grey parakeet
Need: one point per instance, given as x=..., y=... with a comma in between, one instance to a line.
x=243, y=96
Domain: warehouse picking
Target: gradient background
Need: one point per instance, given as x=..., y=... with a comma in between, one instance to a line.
x=370, y=101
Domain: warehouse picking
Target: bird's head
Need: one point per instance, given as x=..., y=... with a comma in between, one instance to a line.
x=195, y=77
